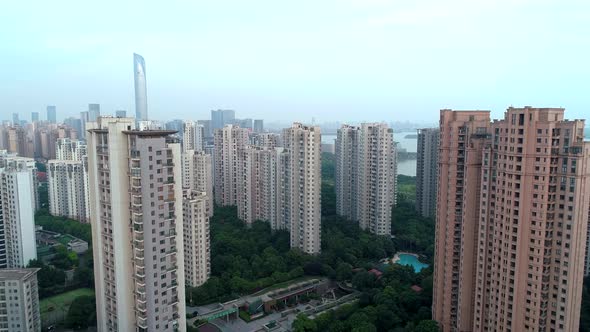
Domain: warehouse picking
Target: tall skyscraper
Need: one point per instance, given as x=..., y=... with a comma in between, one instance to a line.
x=93, y=112
x=207, y=128
x=427, y=171
x=197, y=253
x=259, y=126
x=229, y=143
x=19, y=300
x=34, y=117
x=136, y=214
x=18, y=203
x=221, y=118
x=75, y=124
x=193, y=136
x=304, y=177
x=366, y=175
x=121, y=113
x=51, y=114
x=511, y=222
x=141, y=108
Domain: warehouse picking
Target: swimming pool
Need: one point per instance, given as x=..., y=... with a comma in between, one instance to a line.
x=407, y=259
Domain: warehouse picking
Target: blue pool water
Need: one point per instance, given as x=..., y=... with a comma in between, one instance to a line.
x=406, y=259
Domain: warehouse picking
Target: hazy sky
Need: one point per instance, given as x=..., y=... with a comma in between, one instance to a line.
x=337, y=60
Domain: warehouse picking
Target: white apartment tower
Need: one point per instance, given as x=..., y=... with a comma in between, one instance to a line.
x=19, y=300
x=68, y=189
x=193, y=137
x=366, y=175
x=230, y=141
x=197, y=253
x=427, y=171
x=137, y=234
x=70, y=149
x=18, y=202
x=198, y=175
x=303, y=174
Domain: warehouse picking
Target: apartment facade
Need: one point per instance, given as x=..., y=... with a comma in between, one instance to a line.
x=19, y=298
x=198, y=175
x=197, y=252
x=303, y=174
x=366, y=175
x=512, y=221
x=68, y=189
x=18, y=203
x=427, y=171
x=70, y=149
x=230, y=141
x=136, y=212
x=346, y=177
x=193, y=136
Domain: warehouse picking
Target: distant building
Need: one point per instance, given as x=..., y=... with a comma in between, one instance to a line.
x=34, y=117
x=267, y=140
x=207, y=128
x=93, y=112
x=75, y=124
x=68, y=189
x=15, y=119
x=18, y=203
x=328, y=148
x=51, y=114
x=229, y=143
x=121, y=113
x=197, y=252
x=366, y=175
x=427, y=171
x=244, y=123
x=197, y=170
x=259, y=126
x=19, y=300
x=139, y=74
x=193, y=136
x=221, y=118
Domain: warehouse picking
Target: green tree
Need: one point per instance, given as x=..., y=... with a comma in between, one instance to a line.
x=82, y=313
x=303, y=324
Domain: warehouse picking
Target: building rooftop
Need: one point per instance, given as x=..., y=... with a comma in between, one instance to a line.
x=17, y=274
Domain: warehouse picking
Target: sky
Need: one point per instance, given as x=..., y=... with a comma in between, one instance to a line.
x=332, y=60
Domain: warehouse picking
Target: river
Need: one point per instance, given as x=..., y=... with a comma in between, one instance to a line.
x=406, y=167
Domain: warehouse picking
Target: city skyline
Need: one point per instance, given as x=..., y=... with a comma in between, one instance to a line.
x=385, y=60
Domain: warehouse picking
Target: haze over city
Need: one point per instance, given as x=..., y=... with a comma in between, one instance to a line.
x=351, y=60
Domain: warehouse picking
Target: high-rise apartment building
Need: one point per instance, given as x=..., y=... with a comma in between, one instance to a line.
x=34, y=117
x=244, y=123
x=15, y=119
x=229, y=142
x=366, y=175
x=193, y=136
x=68, y=189
x=303, y=174
x=267, y=140
x=207, y=128
x=197, y=175
x=197, y=252
x=18, y=203
x=51, y=114
x=346, y=177
x=427, y=171
x=511, y=222
x=257, y=194
x=139, y=75
x=70, y=149
x=221, y=118
x=19, y=300
x=137, y=233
